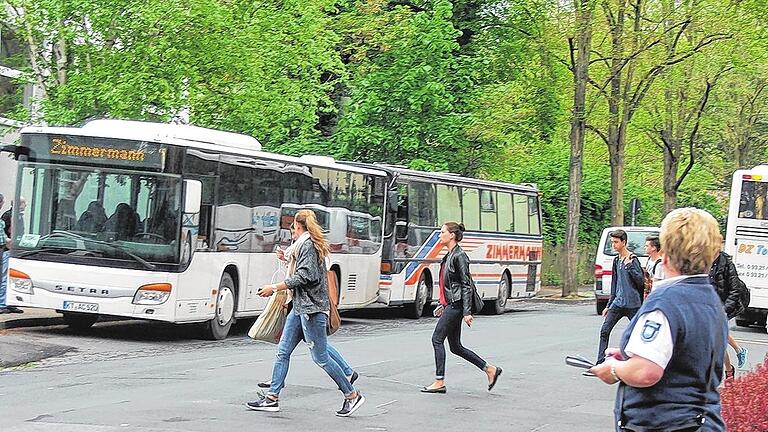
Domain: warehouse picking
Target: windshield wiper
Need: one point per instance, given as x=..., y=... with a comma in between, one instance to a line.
x=43, y=250
x=67, y=234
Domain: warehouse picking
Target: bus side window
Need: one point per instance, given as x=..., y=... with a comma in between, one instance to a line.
x=402, y=202
x=505, y=212
x=204, y=167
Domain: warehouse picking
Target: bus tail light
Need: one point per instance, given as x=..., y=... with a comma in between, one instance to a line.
x=598, y=271
x=152, y=294
x=20, y=281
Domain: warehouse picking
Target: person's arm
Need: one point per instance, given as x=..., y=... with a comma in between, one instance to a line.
x=613, y=285
x=306, y=273
x=648, y=351
x=307, y=268
x=635, y=271
x=461, y=264
x=733, y=299
x=3, y=239
x=636, y=372
x=658, y=271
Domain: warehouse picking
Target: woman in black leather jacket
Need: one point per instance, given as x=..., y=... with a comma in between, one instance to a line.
x=730, y=288
x=456, y=291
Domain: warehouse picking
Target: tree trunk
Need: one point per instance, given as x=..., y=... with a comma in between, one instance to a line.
x=671, y=164
x=617, y=184
x=615, y=115
x=580, y=69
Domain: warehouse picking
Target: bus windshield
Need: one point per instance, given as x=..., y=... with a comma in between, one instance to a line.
x=102, y=213
x=754, y=200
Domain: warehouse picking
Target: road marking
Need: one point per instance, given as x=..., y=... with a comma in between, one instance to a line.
x=375, y=363
x=387, y=403
x=752, y=341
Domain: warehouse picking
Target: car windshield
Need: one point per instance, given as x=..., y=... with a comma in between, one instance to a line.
x=102, y=213
x=635, y=243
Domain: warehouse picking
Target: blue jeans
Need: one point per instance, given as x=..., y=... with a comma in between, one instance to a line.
x=336, y=356
x=4, y=278
x=312, y=326
x=449, y=326
x=611, y=319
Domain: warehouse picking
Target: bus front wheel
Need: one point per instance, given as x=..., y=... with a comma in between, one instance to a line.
x=218, y=327
x=79, y=321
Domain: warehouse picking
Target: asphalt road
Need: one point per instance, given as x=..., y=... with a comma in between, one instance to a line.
x=139, y=376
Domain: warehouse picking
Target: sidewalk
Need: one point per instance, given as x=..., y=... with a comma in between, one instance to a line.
x=32, y=317
x=555, y=292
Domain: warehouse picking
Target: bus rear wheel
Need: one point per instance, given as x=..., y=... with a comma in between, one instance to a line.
x=218, y=327
x=80, y=321
x=416, y=309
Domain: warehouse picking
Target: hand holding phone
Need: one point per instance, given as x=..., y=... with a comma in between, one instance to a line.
x=438, y=312
x=578, y=361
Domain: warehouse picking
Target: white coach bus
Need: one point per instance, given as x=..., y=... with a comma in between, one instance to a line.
x=746, y=239
x=503, y=238
x=172, y=223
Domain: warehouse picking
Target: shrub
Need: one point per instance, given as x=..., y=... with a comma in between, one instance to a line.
x=745, y=401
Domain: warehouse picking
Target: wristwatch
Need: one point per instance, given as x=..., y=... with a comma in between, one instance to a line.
x=613, y=372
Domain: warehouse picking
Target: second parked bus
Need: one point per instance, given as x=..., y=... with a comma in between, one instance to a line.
x=503, y=238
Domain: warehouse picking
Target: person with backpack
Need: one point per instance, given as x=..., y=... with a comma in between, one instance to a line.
x=653, y=270
x=627, y=286
x=456, y=305
x=734, y=294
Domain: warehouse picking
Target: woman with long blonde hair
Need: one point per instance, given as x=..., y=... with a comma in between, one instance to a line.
x=309, y=317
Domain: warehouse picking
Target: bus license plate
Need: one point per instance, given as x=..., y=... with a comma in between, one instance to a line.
x=80, y=307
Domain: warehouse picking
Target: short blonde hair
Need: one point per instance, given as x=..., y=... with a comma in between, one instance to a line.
x=691, y=239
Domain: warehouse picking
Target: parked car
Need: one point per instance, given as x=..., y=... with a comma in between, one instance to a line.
x=605, y=254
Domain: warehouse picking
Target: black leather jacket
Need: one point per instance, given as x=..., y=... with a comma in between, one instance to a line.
x=727, y=283
x=458, y=286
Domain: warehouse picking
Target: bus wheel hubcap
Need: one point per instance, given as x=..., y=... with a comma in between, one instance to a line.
x=503, y=292
x=421, y=294
x=226, y=306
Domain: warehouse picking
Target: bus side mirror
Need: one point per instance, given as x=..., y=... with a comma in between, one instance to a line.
x=193, y=194
x=392, y=202
x=401, y=231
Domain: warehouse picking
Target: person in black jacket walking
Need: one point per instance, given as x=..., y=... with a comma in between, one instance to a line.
x=731, y=290
x=456, y=292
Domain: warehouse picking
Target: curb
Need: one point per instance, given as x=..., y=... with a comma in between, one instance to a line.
x=31, y=322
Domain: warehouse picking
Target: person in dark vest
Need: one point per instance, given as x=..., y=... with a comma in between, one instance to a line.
x=670, y=361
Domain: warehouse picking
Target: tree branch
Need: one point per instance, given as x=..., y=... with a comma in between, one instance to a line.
x=693, y=134
x=597, y=131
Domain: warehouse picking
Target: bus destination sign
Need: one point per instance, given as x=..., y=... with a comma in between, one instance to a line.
x=101, y=151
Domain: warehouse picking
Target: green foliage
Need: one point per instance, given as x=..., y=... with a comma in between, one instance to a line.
x=480, y=87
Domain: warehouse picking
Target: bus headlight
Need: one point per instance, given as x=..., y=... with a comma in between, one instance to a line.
x=20, y=281
x=152, y=294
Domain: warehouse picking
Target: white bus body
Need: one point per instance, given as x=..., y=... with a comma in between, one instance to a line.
x=503, y=238
x=150, y=259
x=746, y=239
